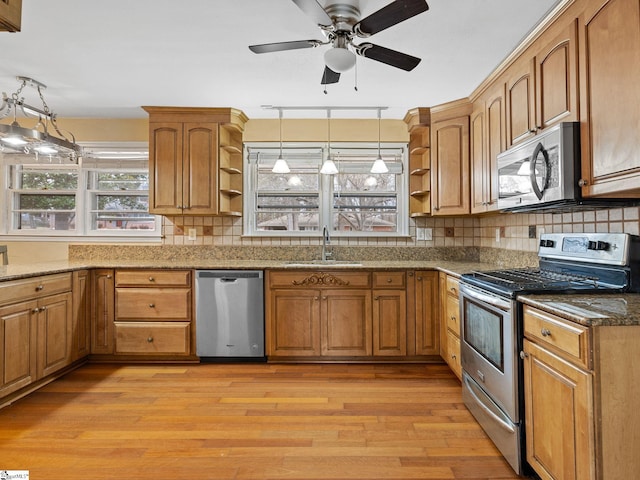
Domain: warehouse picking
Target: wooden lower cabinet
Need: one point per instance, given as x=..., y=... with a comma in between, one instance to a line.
x=35, y=330
x=316, y=315
x=450, y=322
x=581, y=396
x=81, y=317
x=103, y=305
x=153, y=314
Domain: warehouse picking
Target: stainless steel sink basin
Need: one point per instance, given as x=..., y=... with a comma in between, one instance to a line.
x=323, y=263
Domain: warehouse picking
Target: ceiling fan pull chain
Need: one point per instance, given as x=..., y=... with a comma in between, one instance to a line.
x=355, y=87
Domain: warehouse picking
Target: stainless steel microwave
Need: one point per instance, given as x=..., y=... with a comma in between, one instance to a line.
x=543, y=170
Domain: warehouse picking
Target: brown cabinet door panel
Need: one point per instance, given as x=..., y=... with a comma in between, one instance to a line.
x=294, y=323
x=389, y=322
x=346, y=322
x=165, y=168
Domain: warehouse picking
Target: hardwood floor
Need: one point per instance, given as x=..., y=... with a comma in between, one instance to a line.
x=249, y=421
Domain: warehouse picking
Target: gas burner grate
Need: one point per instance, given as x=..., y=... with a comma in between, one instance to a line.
x=536, y=278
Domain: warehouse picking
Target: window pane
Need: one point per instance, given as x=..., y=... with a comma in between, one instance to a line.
x=28, y=201
x=46, y=220
x=47, y=180
x=364, y=182
x=365, y=222
x=287, y=220
x=299, y=181
x=122, y=181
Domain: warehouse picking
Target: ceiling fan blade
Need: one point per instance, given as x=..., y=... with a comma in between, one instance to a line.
x=388, y=56
x=388, y=16
x=281, y=46
x=329, y=76
x=314, y=10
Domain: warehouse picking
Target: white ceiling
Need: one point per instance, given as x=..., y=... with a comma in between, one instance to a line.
x=107, y=58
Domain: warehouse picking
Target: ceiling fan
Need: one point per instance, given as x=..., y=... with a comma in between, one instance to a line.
x=340, y=23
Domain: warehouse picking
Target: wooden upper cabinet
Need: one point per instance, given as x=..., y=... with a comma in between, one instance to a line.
x=10, y=15
x=450, y=183
x=609, y=35
x=520, y=101
x=487, y=125
x=557, y=77
x=184, y=160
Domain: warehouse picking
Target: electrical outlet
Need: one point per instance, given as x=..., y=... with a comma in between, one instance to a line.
x=424, y=233
x=532, y=231
x=428, y=234
x=498, y=235
x=192, y=234
x=448, y=231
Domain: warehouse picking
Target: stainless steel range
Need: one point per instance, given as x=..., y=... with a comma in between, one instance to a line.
x=492, y=332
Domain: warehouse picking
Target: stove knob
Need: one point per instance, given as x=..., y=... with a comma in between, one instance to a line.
x=598, y=245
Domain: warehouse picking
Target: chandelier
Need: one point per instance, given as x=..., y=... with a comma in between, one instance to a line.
x=36, y=140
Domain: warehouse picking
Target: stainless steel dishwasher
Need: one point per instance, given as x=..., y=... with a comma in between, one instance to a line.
x=230, y=314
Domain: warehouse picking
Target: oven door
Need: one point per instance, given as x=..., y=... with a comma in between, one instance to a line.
x=489, y=346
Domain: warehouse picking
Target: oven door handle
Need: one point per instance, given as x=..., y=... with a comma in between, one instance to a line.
x=483, y=297
x=500, y=421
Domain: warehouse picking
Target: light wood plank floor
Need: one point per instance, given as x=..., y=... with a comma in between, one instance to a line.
x=250, y=421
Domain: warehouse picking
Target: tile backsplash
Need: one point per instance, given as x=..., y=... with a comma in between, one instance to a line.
x=505, y=231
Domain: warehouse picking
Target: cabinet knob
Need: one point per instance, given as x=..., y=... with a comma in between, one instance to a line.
x=149, y=339
x=42, y=309
x=324, y=298
x=545, y=332
x=316, y=298
x=523, y=355
x=411, y=274
x=389, y=280
x=453, y=356
x=35, y=310
x=151, y=279
x=376, y=298
x=419, y=279
x=108, y=276
x=39, y=288
x=453, y=290
x=453, y=318
x=152, y=305
x=582, y=182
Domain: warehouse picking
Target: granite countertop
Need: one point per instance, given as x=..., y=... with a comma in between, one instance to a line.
x=16, y=271
x=591, y=310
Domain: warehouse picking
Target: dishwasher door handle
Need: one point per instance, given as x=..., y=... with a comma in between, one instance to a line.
x=228, y=279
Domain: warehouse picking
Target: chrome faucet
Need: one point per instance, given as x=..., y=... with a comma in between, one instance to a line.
x=326, y=240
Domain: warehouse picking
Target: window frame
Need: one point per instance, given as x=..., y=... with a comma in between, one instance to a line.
x=325, y=190
x=106, y=157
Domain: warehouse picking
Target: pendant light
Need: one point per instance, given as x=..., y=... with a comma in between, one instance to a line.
x=328, y=166
x=281, y=165
x=38, y=139
x=379, y=166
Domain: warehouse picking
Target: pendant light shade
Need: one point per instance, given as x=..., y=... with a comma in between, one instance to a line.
x=281, y=165
x=379, y=166
x=328, y=166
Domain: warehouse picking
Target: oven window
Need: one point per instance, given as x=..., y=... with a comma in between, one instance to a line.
x=483, y=332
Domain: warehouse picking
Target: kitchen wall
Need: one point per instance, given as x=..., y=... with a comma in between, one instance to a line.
x=476, y=231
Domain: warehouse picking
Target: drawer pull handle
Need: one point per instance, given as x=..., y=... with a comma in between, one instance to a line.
x=152, y=305
x=545, y=332
x=389, y=280
x=151, y=279
x=150, y=339
x=453, y=290
x=39, y=288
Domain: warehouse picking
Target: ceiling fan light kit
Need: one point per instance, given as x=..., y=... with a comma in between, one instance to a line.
x=340, y=22
x=37, y=139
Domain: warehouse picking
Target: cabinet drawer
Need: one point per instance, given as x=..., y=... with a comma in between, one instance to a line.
x=35, y=287
x=389, y=279
x=453, y=353
x=153, y=278
x=568, y=338
x=453, y=313
x=153, y=303
x=452, y=285
x=319, y=279
x=153, y=338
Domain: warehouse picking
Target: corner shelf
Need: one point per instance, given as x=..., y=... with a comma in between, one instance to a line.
x=419, y=171
x=230, y=169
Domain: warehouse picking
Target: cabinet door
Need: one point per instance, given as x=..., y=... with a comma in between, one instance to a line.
x=557, y=78
x=389, y=322
x=609, y=113
x=165, y=168
x=520, y=101
x=427, y=328
x=294, y=320
x=450, y=168
x=54, y=333
x=18, y=342
x=81, y=321
x=200, y=169
x=10, y=15
x=558, y=416
x=496, y=144
x=102, y=300
x=478, y=135
x=345, y=322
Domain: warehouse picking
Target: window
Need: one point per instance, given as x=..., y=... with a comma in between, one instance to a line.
x=106, y=194
x=353, y=202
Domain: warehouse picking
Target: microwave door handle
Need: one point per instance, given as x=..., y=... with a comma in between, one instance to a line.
x=532, y=173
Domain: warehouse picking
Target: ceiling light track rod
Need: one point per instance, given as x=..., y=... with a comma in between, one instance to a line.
x=323, y=109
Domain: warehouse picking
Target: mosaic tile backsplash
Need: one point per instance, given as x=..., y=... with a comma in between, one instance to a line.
x=519, y=232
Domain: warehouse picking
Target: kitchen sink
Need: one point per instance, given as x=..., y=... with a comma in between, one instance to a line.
x=323, y=263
